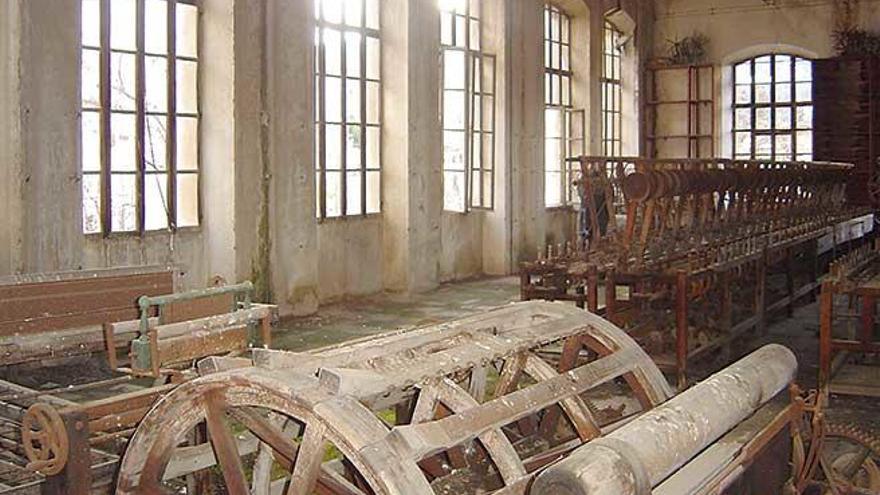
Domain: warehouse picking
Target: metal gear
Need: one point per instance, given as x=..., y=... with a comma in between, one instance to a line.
x=851, y=459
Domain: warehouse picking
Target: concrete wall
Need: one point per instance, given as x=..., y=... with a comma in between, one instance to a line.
x=257, y=139
x=741, y=29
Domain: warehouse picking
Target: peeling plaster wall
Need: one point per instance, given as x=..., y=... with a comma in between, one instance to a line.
x=350, y=258
x=10, y=139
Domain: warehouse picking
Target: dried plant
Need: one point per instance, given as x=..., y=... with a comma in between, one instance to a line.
x=690, y=50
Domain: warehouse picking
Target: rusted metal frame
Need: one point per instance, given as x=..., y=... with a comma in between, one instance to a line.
x=681, y=328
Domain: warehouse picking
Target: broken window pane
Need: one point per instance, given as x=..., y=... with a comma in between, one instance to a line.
x=156, y=142
x=122, y=81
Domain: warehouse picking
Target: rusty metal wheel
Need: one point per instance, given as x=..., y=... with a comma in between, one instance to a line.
x=44, y=439
x=247, y=415
x=850, y=460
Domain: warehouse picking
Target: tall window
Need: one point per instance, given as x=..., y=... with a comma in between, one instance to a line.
x=773, y=108
x=468, y=109
x=347, y=108
x=563, y=126
x=612, y=92
x=140, y=115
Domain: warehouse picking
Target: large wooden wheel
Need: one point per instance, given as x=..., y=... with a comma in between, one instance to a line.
x=426, y=412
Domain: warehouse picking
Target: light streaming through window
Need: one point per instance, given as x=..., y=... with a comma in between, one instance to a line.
x=468, y=109
x=348, y=107
x=773, y=108
x=612, y=92
x=140, y=115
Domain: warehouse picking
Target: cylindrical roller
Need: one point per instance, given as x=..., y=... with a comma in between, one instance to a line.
x=635, y=458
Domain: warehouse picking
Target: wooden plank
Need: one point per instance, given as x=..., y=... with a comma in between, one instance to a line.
x=70, y=321
x=76, y=286
x=197, y=308
x=201, y=344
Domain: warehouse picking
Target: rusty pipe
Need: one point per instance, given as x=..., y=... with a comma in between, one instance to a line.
x=635, y=458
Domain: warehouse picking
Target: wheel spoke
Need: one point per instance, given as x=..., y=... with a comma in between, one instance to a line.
x=224, y=445
x=265, y=431
x=308, y=461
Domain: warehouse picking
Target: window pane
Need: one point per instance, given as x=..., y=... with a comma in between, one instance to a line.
x=156, y=84
x=783, y=93
x=453, y=110
x=743, y=142
x=553, y=123
x=187, y=87
x=353, y=193
x=763, y=146
x=333, y=99
x=744, y=73
x=122, y=142
x=187, y=200
x=155, y=140
x=453, y=191
x=91, y=23
x=446, y=28
x=373, y=58
x=804, y=92
x=91, y=203
x=91, y=79
x=453, y=69
x=187, y=143
x=782, y=68
x=352, y=100
x=122, y=81
x=333, y=160
x=373, y=14
x=373, y=147
x=333, y=193
x=332, y=10
x=353, y=12
x=762, y=93
x=353, y=146
x=123, y=25
x=453, y=150
x=156, y=197
x=475, y=34
x=123, y=203
x=156, y=34
x=91, y=141
x=783, y=147
x=553, y=189
x=374, y=102
x=187, y=30
x=783, y=118
x=743, y=118
x=353, y=54
x=803, y=70
x=804, y=142
x=804, y=117
x=743, y=94
x=374, y=192
x=332, y=52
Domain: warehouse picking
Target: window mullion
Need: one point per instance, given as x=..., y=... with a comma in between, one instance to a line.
x=106, y=223
x=171, y=134
x=140, y=93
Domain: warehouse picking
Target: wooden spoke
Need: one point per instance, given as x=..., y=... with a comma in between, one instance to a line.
x=308, y=461
x=268, y=433
x=224, y=445
x=510, y=374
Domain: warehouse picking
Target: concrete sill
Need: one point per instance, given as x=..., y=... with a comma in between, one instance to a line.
x=350, y=218
x=150, y=233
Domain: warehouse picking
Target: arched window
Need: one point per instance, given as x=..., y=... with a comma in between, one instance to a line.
x=773, y=108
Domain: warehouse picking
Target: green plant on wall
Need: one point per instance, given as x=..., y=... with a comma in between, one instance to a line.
x=690, y=50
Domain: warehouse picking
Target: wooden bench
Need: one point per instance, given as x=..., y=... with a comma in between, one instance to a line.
x=58, y=315
x=188, y=326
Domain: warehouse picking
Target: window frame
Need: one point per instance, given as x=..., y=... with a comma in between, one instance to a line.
x=772, y=105
x=105, y=112
x=612, y=142
x=480, y=85
x=321, y=122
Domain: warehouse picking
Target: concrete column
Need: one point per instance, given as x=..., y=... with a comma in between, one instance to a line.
x=525, y=75
x=50, y=102
x=10, y=138
x=289, y=149
x=497, y=240
x=411, y=144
